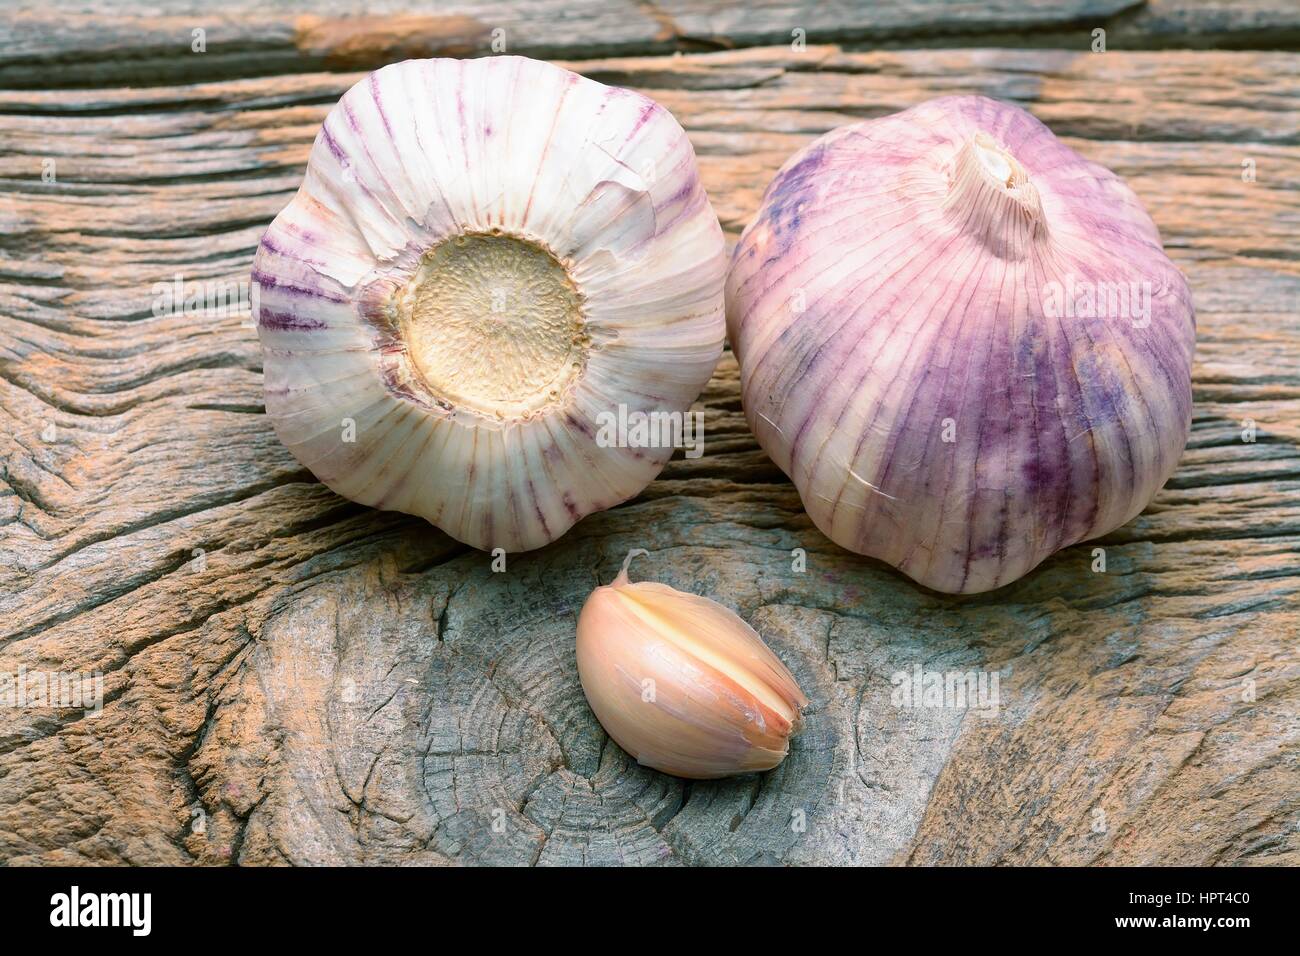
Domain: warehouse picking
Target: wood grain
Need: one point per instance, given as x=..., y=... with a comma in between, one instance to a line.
x=93, y=42
x=319, y=682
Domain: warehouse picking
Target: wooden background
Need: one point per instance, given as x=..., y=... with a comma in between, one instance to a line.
x=291, y=678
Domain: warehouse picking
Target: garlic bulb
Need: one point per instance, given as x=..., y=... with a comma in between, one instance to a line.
x=485, y=258
x=683, y=684
x=962, y=341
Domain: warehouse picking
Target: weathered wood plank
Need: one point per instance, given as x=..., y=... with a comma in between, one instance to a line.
x=112, y=43
x=326, y=683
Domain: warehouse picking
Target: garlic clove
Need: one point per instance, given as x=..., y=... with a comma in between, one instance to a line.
x=910, y=312
x=485, y=257
x=682, y=683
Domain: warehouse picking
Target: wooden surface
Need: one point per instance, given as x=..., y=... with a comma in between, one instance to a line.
x=331, y=684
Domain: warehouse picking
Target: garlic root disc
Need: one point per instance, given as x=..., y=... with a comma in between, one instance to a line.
x=485, y=256
x=962, y=341
x=682, y=683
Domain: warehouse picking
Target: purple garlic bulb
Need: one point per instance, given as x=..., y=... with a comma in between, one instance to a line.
x=488, y=262
x=962, y=341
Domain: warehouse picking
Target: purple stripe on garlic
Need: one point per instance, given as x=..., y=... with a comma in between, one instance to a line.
x=485, y=256
x=962, y=341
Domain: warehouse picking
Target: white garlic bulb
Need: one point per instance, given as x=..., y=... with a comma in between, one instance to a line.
x=485, y=257
x=962, y=341
x=682, y=683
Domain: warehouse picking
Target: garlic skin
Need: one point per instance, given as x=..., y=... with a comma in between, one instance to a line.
x=910, y=313
x=682, y=683
x=485, y=256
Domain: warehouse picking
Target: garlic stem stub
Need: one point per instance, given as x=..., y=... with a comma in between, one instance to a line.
x=962, y=341
x=485, y=256
x=682, y=683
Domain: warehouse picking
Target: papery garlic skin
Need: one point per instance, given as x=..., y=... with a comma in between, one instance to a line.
x=682, y=683
x=485, y=256
x=908, y=360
